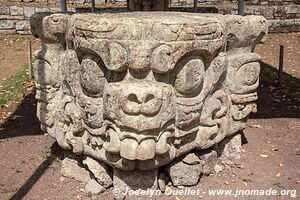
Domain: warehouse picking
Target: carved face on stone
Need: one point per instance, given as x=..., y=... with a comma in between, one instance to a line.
x=137, y=91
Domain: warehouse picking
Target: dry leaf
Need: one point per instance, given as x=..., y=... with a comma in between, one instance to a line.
x=264, y=156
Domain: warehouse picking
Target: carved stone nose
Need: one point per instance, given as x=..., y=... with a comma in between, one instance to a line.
x=144, y=102
x=139, y=99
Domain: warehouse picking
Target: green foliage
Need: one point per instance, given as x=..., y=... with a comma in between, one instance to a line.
x=13, y=86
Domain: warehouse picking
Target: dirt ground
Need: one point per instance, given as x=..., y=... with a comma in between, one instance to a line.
x=31, y=160
x=14, y=53
x=269, y=51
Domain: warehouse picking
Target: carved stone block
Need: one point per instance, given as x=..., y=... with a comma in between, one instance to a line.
x=137, y=90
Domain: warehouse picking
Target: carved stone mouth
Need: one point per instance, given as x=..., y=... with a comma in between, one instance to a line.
x=138, y=146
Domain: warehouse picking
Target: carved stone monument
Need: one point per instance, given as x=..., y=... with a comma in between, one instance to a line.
x=137, y=92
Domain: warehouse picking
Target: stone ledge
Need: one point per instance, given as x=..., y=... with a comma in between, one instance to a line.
x=281, y=18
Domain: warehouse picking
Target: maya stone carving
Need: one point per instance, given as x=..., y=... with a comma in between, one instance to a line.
x=135, y=91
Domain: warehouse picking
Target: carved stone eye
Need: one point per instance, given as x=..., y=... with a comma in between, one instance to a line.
x=248, y=73
x=189, y=77
x=160, y=59
x=92, y=76
x=118, y=57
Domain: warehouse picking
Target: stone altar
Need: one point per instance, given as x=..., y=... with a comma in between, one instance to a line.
x=139, y=92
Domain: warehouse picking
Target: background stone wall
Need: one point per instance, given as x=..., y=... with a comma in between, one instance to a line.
x=283, y=15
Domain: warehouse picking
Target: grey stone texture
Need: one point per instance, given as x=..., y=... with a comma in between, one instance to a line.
x=28, y=11
x=133, y=180
x=100, y=171
x=94, y=188
x=161, y=181
x=7, y=24
x=71, y=169
x=4, y=10
x=185, y=171
x=142, y=90
x=22, y=25
x=15, y=10
x=230, y=148
x=210, y=159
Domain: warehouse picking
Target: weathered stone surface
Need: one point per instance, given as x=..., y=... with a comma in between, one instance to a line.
x=100, y=171
x=22, y=25
x=210, y=159
x=8, y=32
x=4, y=10
x=93, y=188
x=161, y=182
x=27, y=32
x=133, y=180
x=42, y=9
x=191, y=159
x=71, y=169
x=7, y=24
x=11, y=17
x=183, y=174
x=230, y=148
x=138, y=90
x=15, y=10
x=28, y=11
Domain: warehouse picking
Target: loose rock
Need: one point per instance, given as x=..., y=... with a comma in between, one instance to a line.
x=191, y=159
x=94, y=188
x=184, y=174
x=100, y=171
x=162, y=182
x=71, y=169
x=230, y=148
x=210, y=159
x=218, y=168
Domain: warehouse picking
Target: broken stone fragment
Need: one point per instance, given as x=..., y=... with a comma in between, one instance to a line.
x=230, y=148
x=183, y=174
x=133, y=180
x=210, y=159
x=162, y=182
x=71, y=169
x=218, y=168
x=100, y=171
x=93, y=188
x=191, y=159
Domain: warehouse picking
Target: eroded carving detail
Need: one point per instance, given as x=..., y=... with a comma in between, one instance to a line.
x=136, y=91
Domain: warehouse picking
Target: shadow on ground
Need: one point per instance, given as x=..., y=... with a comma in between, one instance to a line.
x=276, y=101
x=23, y=120
x=55, y=152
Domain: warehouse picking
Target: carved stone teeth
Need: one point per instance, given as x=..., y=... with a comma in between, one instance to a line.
x=162, y=145
x=138, y=137
x=146, y=150
x=113, y=146
x=129, y=149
